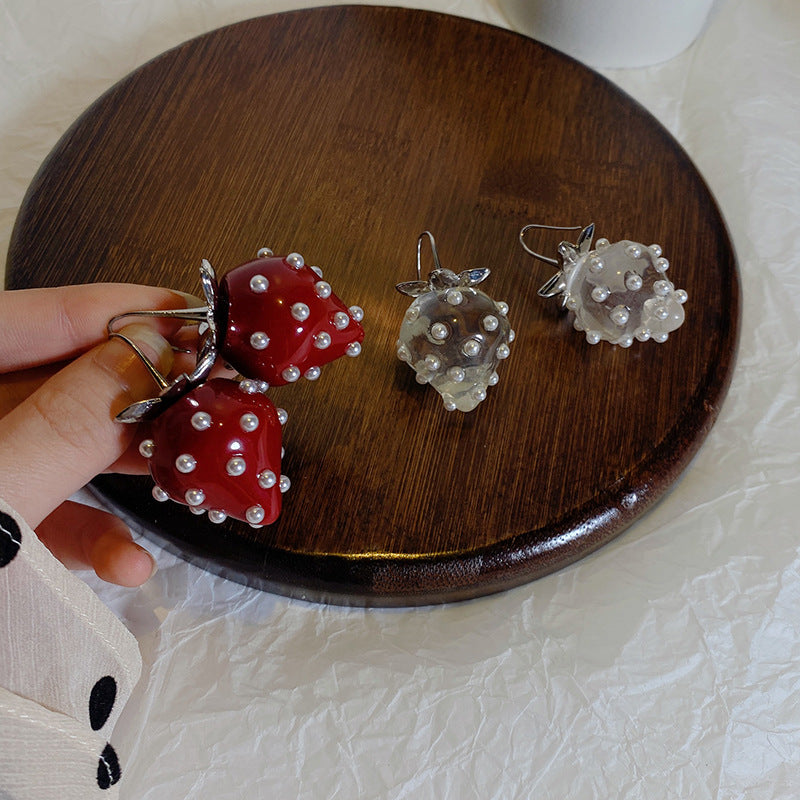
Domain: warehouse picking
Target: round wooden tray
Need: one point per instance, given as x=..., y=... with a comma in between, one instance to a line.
x=342, y=133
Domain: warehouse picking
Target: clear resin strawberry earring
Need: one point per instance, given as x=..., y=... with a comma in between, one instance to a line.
x=453, y=335
x=617, y=291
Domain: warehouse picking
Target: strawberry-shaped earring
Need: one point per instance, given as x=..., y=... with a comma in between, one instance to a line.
x=218, y=449
x=453, y=335
x=617, y=291
x=273, y=320
x=279, y=320
x=214, y=446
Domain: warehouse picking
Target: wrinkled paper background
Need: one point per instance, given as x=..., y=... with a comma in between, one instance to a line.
x=665, y=665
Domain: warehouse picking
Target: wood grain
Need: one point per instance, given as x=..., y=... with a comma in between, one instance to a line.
x=342, y=133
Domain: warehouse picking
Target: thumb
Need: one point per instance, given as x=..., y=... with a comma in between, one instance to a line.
x=65, y=433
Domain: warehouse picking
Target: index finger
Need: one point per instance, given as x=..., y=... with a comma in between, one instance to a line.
x=41, y=326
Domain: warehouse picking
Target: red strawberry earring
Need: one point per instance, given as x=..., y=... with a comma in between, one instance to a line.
x=453, y=335
x=216, y=444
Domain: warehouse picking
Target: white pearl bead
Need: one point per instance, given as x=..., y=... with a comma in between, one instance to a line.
x=295, y=260
x=421, y=377
x=353, y=349
x=267, y=479
x=301, y=312
x=490, y=323
x=317, y=271
x=503, y=351
x=263, y=386
x=655, y=249
x=216, y=516
x=681, y=296
x=198, y=512
x=194, y=496
x=625, y=341
x=642, y=334
x=439, y=331
x=620, y=315
x=291, y=374
x=449, y=402
x=661, y=265
x=512, y=334
x=284, y=484
x=255, y=515
x=593, y=337
x=493, y=379
x=357, y=313
x=600, y=293
x=479, y=394
x=185, y=463
x=248, y=386
x=660, y=337
x=283, y=416
x=259, y=340
x=661, y=288
x=264, y=252
x=432, y=362
x=596, y=264
x=236, y=466
x=456, y=374
x=471, y=348
x=602, y=243
x=633, y=282
x=248, y=422
x=403, y=353
x=160, y=495
x=147, y=448
x=341, y=320
x=312, y=373
x=571, y=302
x=502, y=307
x=201, y=421
x=454, y=297
x=259, y=284
x=323, y=289
x=634, y=251
x=662, y=313
x=322, y=340
x=412, y=313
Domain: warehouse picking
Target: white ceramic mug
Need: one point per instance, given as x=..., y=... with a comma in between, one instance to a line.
x=611, y=33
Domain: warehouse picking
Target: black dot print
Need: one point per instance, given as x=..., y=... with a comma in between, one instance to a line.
x=101, y=701
x=10, y=539
x=108, y=771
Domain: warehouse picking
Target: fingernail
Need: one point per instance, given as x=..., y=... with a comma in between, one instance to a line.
x=151, y=343
x=191, y=300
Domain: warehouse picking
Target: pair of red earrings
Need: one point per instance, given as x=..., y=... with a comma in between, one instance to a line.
x=215, y=443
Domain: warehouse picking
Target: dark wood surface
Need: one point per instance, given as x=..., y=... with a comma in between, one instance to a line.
x=342, y=133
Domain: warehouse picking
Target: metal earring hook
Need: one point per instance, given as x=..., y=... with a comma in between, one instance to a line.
x=437, y=264
x=552, y=261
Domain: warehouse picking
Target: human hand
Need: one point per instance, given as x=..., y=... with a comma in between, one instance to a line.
x=62, y=381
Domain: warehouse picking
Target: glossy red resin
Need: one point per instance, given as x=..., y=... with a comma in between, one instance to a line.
x=173, y=436
x=291, y=342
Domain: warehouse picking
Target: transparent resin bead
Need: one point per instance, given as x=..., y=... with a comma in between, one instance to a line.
x=454, y=336
x=618, y=292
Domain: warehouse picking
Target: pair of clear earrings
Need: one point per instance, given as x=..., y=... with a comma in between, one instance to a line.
x=454, y=335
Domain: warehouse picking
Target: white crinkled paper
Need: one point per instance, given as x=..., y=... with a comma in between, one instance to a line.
x=665, y=665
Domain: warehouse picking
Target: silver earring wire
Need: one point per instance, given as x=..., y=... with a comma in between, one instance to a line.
x=539, y=256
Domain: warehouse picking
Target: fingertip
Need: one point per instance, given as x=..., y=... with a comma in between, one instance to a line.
x=116, y=559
